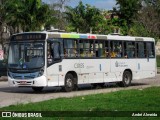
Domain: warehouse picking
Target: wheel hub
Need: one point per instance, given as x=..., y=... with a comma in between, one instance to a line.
x=126, y=79
x=69, y=82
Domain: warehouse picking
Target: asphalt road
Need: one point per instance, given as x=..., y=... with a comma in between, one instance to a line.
x=14, y=95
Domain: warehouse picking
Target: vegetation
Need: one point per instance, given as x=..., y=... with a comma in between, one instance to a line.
x=132, y=17
x=30, y=18
x=125, y=100
x=127, y=12
x=148, y=19
x=83, y=18
x=158, y=61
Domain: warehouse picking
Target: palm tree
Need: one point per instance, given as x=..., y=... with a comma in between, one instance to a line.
x=27, y=15
x=15, y=18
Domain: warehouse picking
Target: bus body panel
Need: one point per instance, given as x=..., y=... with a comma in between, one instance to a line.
x=118, y=66
x=56, y=73
x=145, y=68
x=94, y=70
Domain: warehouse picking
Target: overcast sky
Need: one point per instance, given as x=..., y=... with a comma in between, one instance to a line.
x=102, y=4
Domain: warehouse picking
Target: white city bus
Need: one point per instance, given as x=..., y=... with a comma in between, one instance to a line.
x=40, y=59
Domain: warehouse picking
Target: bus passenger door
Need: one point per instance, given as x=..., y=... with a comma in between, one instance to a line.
x=53, y=58
x=117, y=65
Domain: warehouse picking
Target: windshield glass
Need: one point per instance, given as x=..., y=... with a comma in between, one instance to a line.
x=26, y=55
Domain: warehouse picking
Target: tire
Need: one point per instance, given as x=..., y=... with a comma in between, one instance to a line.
x=126, y=80
x=69, y=83
x=37, y=89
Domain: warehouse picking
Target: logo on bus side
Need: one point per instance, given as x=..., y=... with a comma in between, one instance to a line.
x=79, y=65
x=120, y=64
x=116, y=64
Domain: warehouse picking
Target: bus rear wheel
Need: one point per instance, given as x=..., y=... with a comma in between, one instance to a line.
x=37, y=89
x=126, y=81
x=69, y=83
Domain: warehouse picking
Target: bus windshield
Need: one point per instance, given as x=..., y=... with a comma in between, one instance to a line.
x=26, y=55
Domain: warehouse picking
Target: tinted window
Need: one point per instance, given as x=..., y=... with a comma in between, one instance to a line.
x=116, y=49
x=140, y=49
x=101, y=48
x=70, y=48
x=150, y=49
x=86, y=48
x=129, y=49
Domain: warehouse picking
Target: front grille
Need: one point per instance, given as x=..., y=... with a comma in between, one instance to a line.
x=23, y=77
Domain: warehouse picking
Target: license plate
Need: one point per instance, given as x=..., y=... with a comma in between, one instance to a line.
x=23, y=82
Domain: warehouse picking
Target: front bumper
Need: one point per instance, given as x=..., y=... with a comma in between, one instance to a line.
x=36, y=82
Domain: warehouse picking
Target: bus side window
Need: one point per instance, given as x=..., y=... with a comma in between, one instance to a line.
x=81, y=48
x=101, y=50
x=107, y=49
x=56, y=51
x=129, y=49
x=86, y=48
x=92, y=53
x=150, y=49
x=96, y=48
x=70, y=48
x=116, y=49
x=53, y=52
x=140, y=49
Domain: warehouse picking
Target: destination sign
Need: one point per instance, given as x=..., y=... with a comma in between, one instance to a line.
x=36, y=36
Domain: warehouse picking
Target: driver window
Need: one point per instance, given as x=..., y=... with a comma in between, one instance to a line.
x=56, y=50
x=53, y=52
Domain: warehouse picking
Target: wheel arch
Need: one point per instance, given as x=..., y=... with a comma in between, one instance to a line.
x=75, y=76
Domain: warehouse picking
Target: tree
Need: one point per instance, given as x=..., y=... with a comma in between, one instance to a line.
x=14, y=15
x=3, y=34
x=59, y=7
x=138, y=29
x=27, y=15
x=128, y=10
x=83, y=18
x=147, y=22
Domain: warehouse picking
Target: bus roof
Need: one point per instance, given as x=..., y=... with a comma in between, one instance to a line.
x=90, y=36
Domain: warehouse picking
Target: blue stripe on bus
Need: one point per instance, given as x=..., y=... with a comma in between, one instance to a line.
x=83, y=36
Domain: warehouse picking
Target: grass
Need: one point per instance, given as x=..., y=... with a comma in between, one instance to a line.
x=126, y=100
x=158, y=61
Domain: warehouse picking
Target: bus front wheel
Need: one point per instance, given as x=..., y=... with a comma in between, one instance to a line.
x=37, y=89
x=126, y=81
x=69, y=83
